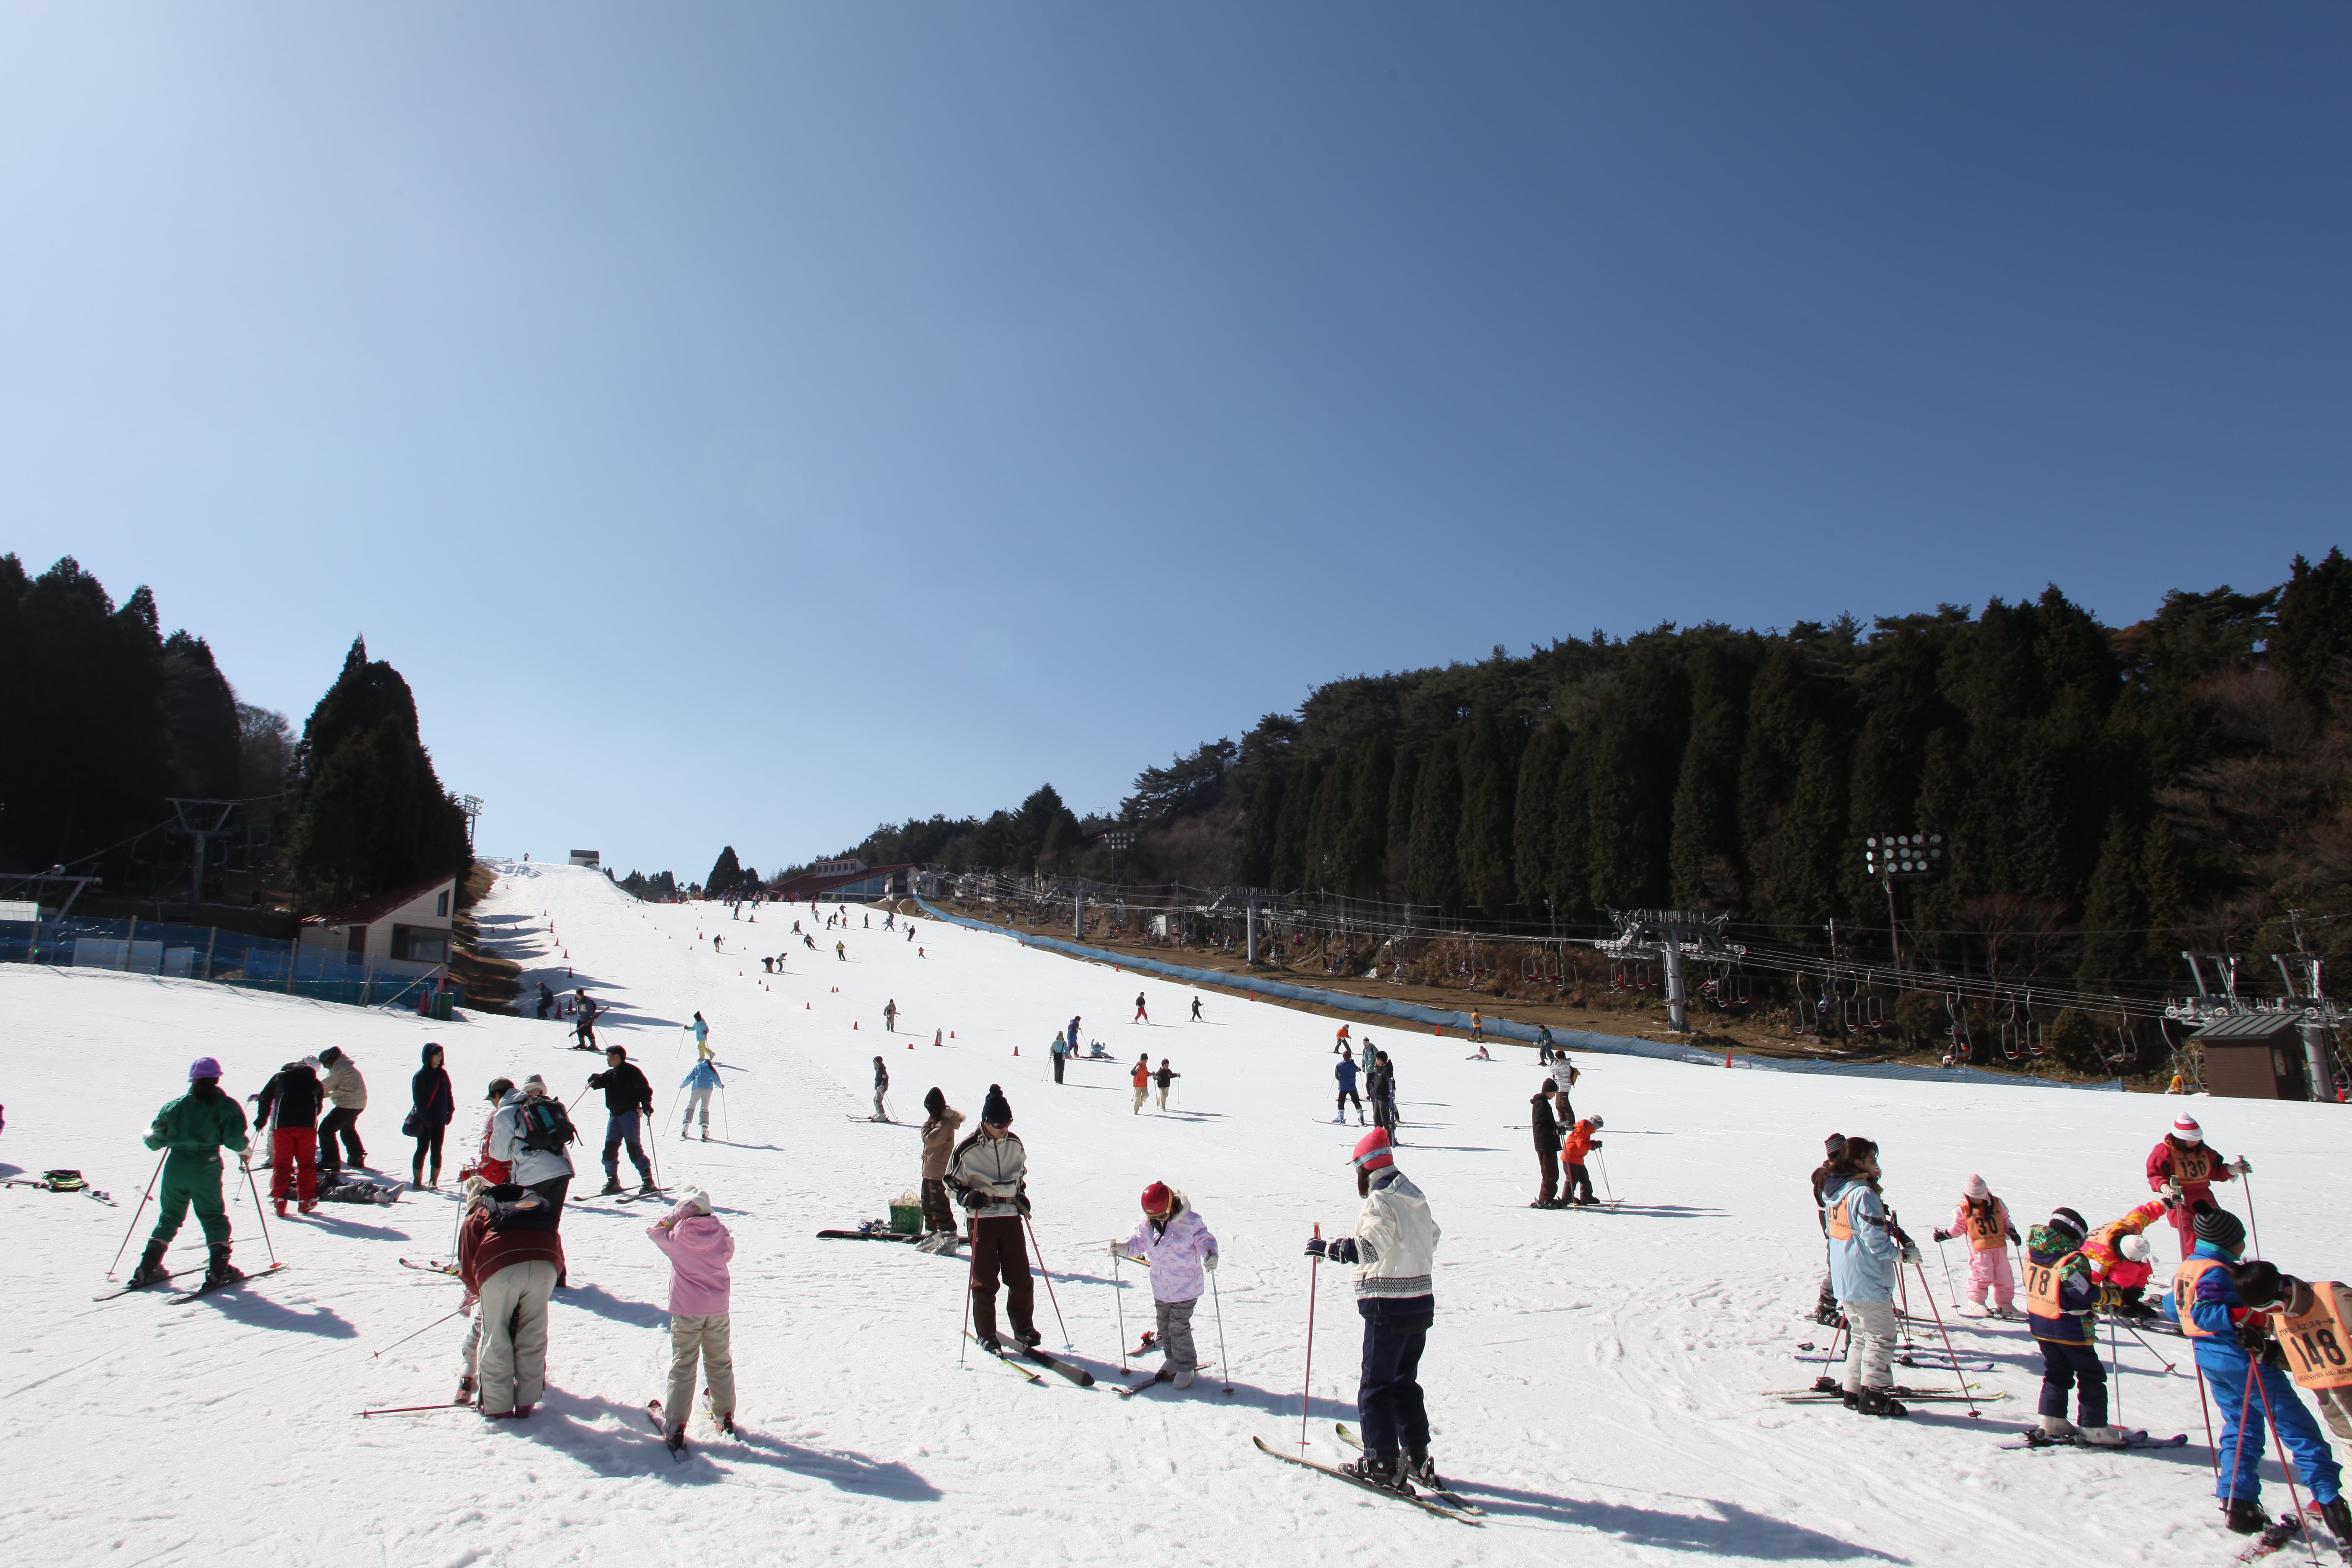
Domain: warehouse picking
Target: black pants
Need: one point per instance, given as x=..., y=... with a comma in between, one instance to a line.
x=999, y=1251
x=1341, y=1108
x=2065, y=1367
x=1057, y=1066
x=345, y=1122
x=1389, y=1397
x=1547, y=1163
x=428, y=1142
x=1580, y=1185
x=552, y=1190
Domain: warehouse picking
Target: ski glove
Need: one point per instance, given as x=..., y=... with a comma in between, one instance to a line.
x=2170, y=1190
x=2253, y=1336
x=2243, y=1167
x=1910, y=1253
x=1341, y=1249
x=2014, y=1236
x=1941, y=1237
x=1209, y=1263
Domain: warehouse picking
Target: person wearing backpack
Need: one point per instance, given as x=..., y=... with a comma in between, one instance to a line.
x=510, y=1256
x=627, y=1096
x=530, y=1133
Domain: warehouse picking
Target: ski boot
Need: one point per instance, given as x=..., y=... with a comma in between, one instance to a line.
x=2058, y=1429
x=465, y=1390
x=1182, y=1378
x=221, y=1271
x=1878, y=1402
x=279, y=1205
x=611, y=1184
x=2336, y=1514
x=1383, y=1470
x=682, y=1135
x=1419, y=1467
x=1828, y=1385
x=1030, y=1338
x=706, y=1135
x=308, y=1206
x=2245, y=1516
x=648, y=1189
x=150, y=1265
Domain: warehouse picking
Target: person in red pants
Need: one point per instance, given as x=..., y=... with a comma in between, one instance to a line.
x=288, y=1106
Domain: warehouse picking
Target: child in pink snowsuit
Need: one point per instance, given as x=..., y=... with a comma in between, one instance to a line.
x=1982, y=1221
x=699, y=1328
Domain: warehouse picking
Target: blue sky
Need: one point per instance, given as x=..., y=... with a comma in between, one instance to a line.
x=749, y=423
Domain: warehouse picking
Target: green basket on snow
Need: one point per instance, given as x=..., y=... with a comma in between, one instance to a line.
x=906, y=1219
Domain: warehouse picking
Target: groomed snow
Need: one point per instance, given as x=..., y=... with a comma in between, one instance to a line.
x=1595, y=1378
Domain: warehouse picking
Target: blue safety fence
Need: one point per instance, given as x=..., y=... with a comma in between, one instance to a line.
x=232, y=958
x=1505, y=1028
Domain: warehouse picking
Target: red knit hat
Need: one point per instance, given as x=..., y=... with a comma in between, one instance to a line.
x=1372, y=1151
x=2187, y=1130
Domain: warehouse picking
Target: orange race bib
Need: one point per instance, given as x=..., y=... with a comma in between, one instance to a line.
x=2042, y=1281
x=2192, y=1167
x=2318, y=1346
x=1985, y=1233
x=2184, y=1295
x=1841, y=1223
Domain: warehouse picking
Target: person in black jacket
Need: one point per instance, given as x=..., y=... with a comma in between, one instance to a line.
x=627, y=1096
x=288, y=1106
x=432, y=1103
x=1546, y=1128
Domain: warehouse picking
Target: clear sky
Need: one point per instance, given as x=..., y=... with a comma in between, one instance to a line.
x=747, y=423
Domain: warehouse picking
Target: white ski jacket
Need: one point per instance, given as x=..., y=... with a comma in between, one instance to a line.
x=1396, y=1238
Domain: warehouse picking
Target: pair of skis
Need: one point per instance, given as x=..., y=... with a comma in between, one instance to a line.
x=1443, y=1503
x=2137, y=1440
x=199, y=1293
x=1068, y=1369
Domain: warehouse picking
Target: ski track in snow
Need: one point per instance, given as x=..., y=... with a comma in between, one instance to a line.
x=1595, y=1378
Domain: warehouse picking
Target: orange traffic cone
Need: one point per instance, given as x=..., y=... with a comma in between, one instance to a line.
x=852, y=1023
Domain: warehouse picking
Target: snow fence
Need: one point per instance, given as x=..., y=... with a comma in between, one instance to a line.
x=1503, y=1028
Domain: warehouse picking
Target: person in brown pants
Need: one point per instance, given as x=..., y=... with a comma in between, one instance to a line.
x=987, y=1174
x=938, y=1142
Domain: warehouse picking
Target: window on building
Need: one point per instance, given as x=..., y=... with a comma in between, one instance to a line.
x=441, y=905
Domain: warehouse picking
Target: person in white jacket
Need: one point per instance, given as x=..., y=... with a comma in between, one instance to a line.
x=1175, y=1241
x=1394, y=1250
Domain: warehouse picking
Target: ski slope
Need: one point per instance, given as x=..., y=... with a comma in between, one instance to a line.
x=1595, y=1378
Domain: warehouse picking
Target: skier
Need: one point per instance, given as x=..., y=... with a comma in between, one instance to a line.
x=2060, y=1289
x=2245, y=1369
x=288, y=1106
x=627, y=1096
x=1982, y=1221
x=1384, y=1093
x=697, y=1246
x=530, y=1135
x=1866, y=1250
x=2183, y=1156
x=2120, y=1257
x=701, y=1038
x=2310, y=1318
x=940, y=1126
x=1394, y=1251
x=196, y=1127
x=1163, y=1078
x=482, y=1166
x=1563, y=1107
x=1581, y=1143
x=584, y=1025
x=1825, y=1307
x=1547, y=1131
x=546, y=999
x=1173, y=1240
x=987, y=1174
x=717, y=942
x=890, y=1016
x=1344, y=1069
x=1074, y=1035
x=1141, y=1015
x=344, y=1086
x=510, y=1257
x=1196, y=1009
x=1477, y=1027
x=841, y=951
x=432, y=1105
x=699, y=1080
x=881, y=1088
x=1061, y=1050
x=1340, y=1042
x=1141, y=1078
x=1543, y=1044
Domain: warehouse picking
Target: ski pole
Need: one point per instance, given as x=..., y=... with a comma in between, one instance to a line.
x=1049, y=1282
x=1223, y=1365
x=1950, y=1294
x=2115, y=1367
x=2151, y=1350
x=405, y=1338
x=2206, y=1410
x=969, y=1279
x=1306, y=1382
x=1118, y=1299
x=408, y=1409
x=653, y=1152
x=1954, y=1356
x=136, y=1212
x=259, y=1216
x=726, y=1123
x=1605, y=1185
x=2244, y=1405
x=2278, y=1444
x=2256, y=1225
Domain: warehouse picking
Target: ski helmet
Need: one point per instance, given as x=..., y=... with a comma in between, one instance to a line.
x=1598, y=1124
x=1372, y=1151
x=2134, y=1248
x=1157, y=1198
x=2067, y=1220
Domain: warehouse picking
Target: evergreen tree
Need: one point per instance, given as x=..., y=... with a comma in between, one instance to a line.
x=373, y=814
x=1254, y=855
x=1290, y=828
x=1571, y=833
x=1328, y=821
x=2313, y=640
x=1634, y=754
x=1366, y=844
x=1704, y=851
x=725, y=872
x=200, y=710
x=1433, y=874
x=2114, y=916
x=1535, y=805
x=1490, y=749
x=1405, y=790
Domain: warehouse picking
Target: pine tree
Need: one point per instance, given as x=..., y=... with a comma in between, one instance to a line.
x=1404, y=789
x=1434, y=872
x=2114, y=916
x=1535, y=806
x=372, y=815
x=2313, y=640
x=1365, y=847
x=1327, y=826
x=724, y=873
x=1254, y=857
x=1290, y=829
x=1704, y=851
x=1571, y=833
x=1489, y=748
x=1634, y=754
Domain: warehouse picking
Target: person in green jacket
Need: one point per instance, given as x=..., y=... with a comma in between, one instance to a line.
x=195, y=1128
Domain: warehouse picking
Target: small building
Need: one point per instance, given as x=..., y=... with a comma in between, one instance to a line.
x=2255, y=1056
x=588, y=858
x=412, y=925
x=851, y=881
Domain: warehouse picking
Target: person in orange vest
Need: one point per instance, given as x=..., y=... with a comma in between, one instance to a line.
x=2313, y=1326
x=1581, y=1143
x=2120, y=1256
x=2185, y=1157
x=1982, y=1221
x=1141, y=1078
x=2060, y=1291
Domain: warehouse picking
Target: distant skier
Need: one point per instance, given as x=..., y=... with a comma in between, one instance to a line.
x=1477, y=1025
x=288, y=1106
x=1547, y=1136
x=1163, y=1078
x=1141, y=1078
x=1176, y=1243
x=1061, y=1051
x=1543, y=1044
x=433, y=1105
x=1074, y=1035
x=699, y=1081
x=194, y=1127
x=1344, y=1069
x=1340, y=1042
x=1982, y=1221
x=987, y=1174
x=583, y=1026
x=890, y=1016
x=348, y=1091
x=841, y=951
x=701, y=1032
x=702, y=1331
x=881, y=1088
x=1395, y=1252
x=546, y=999
x=1579, y=1143
x=2184, y=1156
x=1141, y=1016
x=627, y=1096
x=1196, y=1009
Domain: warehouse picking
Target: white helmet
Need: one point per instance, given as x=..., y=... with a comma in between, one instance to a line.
x=2134, y=1247
x=1598, y=1124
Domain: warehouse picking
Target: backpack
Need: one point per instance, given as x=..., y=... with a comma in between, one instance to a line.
x=544, y=1126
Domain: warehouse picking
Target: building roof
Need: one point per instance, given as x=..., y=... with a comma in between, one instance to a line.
x=808, y=884
x=369, y=911
x=2249, y=1029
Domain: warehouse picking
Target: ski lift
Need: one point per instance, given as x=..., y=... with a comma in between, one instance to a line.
x=2012, y=1032
x=1962, y=1046
x=2126, y=1051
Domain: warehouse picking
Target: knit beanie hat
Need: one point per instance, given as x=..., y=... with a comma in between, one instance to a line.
x=695, y=1199
x=1834, y=1144
x=2187, y=1130
x=2219, y=1226
x=202, y=1067
x=2067, y=1220
x=935, y=1102
x=995, y=1110
x=1976, y=1189
x=534, y=1084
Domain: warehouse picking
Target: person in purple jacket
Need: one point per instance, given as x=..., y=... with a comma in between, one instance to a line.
x=699, y=1247
x=1174, y=1240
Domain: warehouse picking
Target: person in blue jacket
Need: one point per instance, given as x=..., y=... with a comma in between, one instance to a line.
x=2059, y=1289
x=1865, y=1250
x=1345, y=1071
x=701, y=1081
x=2235, y=1351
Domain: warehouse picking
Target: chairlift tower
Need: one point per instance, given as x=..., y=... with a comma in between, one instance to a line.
x=203, y=821
x=2318, y=1014
x=1671, y=935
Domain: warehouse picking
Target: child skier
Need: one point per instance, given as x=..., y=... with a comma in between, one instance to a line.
x=195, y=1128
x=2309, y=1320
x=1344, y=1069
x=702, y=1039
x=1163, y=1078
x=1394, y=1251
x=1982, y=1221
x=881, y=1088
x=1141, y=1015
x=701, y=1079
x=698, y=1247
x=2183, y=1157
x=1174, y=1240
x=1141, y=1078
x=1866, y=1252
x=2119, y=1256
x=2058, y=1289
x=1581, y=1143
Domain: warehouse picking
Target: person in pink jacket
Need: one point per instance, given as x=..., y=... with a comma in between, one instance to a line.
x=1982, y=1221
x=1176, y=1243
x=699, y=1247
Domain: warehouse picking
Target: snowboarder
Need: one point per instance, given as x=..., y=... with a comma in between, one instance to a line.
x=510, y=1257
x=1174, y=1240
x=195, y=1128
x=2184, y=1156
x=1344, y=1069
x=700, y=1332
x=890, y=1016
x=1141, y=1016
x=2060, y=1289
x=1546, y=1132
x=1395, y=1252
x=1141, y=1078
x=432, y=1105
x=627, y=1096
x=1163, y=1078
x=699, y=1080
x=1196, y=1009
x=939, y=1124
x=881, y=1088
x=1982, y=1221
x=701, y=1038
x=988, y=1176
x=530, y=1135
x=2245, y=1369
x=583, y=1020
x=1580, y=1143
x=1865, y=1252
x=343, y=1086
x=288, y=1106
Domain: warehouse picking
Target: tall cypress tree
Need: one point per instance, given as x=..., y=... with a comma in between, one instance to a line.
x=1290, y=829
x=724, y=873
x=1326, y=826
x=1366, y=845
x=1405, y=790
x=2312, y=638
x=1435, y=873
x=1535, y=806
x=1634, y=754
x=2114, y=916
x=1571, y=832
x=373, y=814
x=1704, y=852
x=1254, y=858
x=1490, y=777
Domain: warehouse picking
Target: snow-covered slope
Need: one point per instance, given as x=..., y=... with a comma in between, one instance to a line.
x=1595, y=1378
